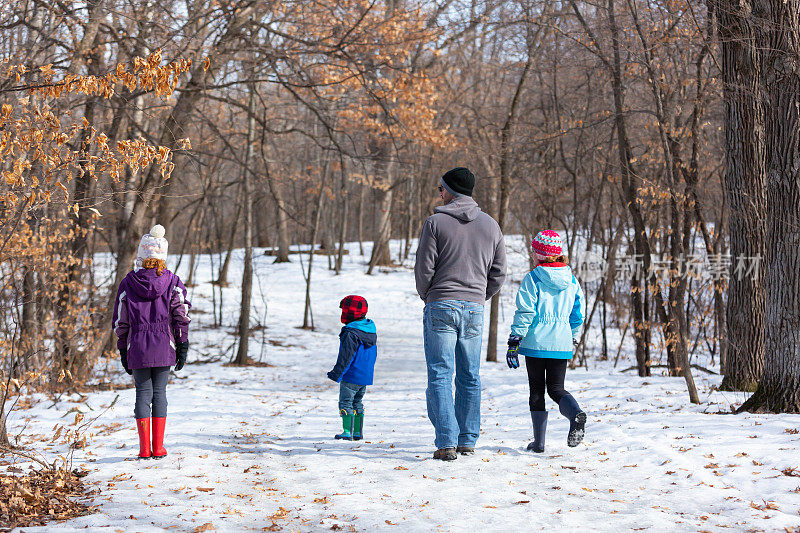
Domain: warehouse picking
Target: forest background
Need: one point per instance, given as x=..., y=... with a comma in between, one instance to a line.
x=657, y=135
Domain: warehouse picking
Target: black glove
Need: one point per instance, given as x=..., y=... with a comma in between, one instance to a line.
x=123, y=356
x=181, y=351
x=512, y=355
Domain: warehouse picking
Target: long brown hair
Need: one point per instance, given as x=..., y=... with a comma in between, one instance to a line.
x=555, y=259
x=158, y=264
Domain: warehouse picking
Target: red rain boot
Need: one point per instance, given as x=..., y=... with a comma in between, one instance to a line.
x=143, y=426
x=158, y=437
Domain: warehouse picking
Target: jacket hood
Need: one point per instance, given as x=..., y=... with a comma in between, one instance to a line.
x=365, y=329
x=463, y=208
x=554, y=278
x=147, y=284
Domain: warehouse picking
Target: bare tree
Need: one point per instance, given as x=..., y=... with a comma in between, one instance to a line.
x=247, y=199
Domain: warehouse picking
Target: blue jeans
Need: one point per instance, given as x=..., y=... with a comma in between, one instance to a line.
x=452, y=331
x=350, y=398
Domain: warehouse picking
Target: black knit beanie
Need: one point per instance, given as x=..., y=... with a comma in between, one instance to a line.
x=459, y=180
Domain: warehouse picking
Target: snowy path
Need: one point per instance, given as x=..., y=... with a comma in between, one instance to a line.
x=251, y=449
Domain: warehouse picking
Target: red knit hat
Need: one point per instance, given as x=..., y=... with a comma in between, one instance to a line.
x=547, y=243
x=353, y=308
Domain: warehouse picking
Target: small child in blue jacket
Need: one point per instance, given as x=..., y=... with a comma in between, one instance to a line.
x=355, y=365
x=546, y=326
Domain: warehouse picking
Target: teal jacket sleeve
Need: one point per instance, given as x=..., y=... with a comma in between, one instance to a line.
x=527, y=297
x=576, y=317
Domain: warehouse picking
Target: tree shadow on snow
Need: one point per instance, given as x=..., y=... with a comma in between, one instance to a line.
x=299, y=446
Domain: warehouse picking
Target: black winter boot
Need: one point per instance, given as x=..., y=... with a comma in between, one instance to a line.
x=577, y=419
x=539, y=419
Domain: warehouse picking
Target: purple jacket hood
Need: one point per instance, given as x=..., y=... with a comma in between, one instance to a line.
x=147, y=285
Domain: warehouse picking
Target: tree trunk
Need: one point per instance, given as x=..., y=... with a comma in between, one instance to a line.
x=381, y=255
x=88, y=53
x=779, y=39
x=640, y=328
x=503, y=199
x=195, y=239
x=641, y=324
x=283, y=223
x=222, y=279
x=744, y=183
x=29, y=334
x=308, y=318
x=361, y=193
x=247, y=200
x=345, y=216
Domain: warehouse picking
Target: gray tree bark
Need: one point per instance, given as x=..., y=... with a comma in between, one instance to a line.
x=745, y=185
x=779, y=41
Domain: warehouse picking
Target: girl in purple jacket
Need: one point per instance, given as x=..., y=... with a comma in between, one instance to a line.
x=151, y=320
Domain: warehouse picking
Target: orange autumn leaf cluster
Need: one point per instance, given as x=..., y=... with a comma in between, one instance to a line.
x=145, y=73
x=40, y=153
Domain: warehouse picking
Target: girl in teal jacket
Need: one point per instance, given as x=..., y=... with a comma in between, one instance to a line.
x=546, y=326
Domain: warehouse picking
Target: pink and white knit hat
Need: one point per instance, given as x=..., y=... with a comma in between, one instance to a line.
x=153, y=244
x=547, y=243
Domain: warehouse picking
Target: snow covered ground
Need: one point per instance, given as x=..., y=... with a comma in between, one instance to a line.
x=251, y=449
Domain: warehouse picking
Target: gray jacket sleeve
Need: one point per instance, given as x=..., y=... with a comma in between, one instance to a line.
x=497, y=271
x=426, y=260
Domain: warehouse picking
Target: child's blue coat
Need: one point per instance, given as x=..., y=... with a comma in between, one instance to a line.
x=357, y=353
x=549, y=312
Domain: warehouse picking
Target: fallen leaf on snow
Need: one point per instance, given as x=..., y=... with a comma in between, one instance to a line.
x=791, y=472
x=280, y=514
x=766, y=506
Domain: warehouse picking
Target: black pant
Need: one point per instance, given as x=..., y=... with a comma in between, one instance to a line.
x=545, y=373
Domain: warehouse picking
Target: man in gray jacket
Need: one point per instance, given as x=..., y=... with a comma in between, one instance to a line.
x=461, y=263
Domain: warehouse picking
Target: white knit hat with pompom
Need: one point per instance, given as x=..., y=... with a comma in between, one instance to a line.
x=153, y=245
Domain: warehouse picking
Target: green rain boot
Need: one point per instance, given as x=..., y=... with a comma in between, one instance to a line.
x=347, y=426
x=358, y=426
